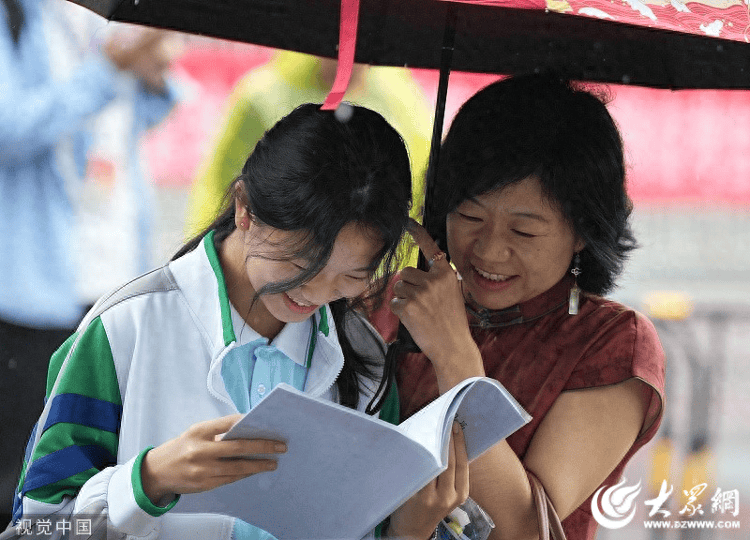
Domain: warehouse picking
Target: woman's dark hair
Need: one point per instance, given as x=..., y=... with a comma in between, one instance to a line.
x=315, y=172
x=15, y=18
x=541, y=126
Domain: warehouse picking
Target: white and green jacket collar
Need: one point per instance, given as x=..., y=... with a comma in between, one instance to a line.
x=213, y=314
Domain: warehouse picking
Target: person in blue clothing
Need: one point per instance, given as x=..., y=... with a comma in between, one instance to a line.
x=139, y=396
x=51, y=86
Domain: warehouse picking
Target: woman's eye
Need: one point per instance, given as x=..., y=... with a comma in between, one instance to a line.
x=299, y=266
x=523, y=234
x=359, y=278
x=468, y=217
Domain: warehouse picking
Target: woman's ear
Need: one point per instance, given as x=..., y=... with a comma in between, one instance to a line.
x=579, y=245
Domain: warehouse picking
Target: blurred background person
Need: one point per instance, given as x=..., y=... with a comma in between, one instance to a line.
x=263, y=95
x=117, y=194
x=53, y=80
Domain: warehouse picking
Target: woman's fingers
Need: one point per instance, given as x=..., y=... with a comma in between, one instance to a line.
x=427, y=245
x=410, y=284
x=445, y=483
x=414, y=276
x=453, y=483
x=462, y=464
x=418, y=517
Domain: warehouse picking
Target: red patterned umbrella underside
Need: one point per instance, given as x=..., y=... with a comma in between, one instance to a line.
x=726, y=19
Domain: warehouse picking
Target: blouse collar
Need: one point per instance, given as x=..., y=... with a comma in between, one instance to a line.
x=554, y=298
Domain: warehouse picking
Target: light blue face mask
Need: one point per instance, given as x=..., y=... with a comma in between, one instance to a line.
x=252, y=370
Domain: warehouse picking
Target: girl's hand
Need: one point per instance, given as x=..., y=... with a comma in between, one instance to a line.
x=418, y=517
x=198, y=461
x=431, y=306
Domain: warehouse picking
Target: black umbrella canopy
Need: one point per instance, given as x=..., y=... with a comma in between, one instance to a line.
x=488, y=39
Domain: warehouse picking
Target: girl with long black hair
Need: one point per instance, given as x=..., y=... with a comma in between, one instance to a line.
x=266, y=294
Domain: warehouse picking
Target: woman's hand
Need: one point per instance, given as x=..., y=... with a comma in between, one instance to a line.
x=431, y=306
x=417, y=518
x=198, y=461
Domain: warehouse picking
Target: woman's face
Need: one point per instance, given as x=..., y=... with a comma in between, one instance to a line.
x=346, y=275
x=510, y=245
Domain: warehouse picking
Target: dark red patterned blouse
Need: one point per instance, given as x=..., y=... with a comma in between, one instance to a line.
x=537, y=350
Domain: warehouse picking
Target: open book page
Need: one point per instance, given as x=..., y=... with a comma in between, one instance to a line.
x=427, y=426
x=344, y=471
x=486, y=411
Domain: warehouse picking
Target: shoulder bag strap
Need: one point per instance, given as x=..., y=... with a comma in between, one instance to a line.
x=550, y=527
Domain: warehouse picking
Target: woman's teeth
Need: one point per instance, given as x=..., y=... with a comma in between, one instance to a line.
x=300, y=304
x=491, y=277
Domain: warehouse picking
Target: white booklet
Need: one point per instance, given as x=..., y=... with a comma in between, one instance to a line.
x=345, y=471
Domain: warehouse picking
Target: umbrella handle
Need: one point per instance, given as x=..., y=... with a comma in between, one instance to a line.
x=446, y=59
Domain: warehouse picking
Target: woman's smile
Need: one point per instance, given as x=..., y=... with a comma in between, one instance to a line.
x=491, y=282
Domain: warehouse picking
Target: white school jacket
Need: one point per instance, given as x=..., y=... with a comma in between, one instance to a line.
x=145, y=364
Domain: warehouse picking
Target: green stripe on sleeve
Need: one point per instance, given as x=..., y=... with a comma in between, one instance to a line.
x=56, y=362
x=91, y=370
x=140, y=496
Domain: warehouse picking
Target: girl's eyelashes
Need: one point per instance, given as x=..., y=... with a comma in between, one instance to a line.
x=302, y=268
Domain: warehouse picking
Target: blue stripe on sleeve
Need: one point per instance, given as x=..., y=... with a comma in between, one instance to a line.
x=85, y=411
x=17, y=503
x=65, y=463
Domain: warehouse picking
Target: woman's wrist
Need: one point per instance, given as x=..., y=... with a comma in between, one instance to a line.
x=453, y=367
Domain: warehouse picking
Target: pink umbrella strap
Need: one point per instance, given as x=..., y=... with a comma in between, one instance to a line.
x=347, y=45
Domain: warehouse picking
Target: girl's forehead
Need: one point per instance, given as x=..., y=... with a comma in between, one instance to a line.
x=355, y=245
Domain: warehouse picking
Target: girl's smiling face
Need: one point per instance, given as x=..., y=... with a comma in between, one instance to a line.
x=510, y=245
x=346, y=275
x=265, y=261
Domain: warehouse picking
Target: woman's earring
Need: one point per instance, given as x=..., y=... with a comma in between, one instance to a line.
x=244, y=224
x=575, y=291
